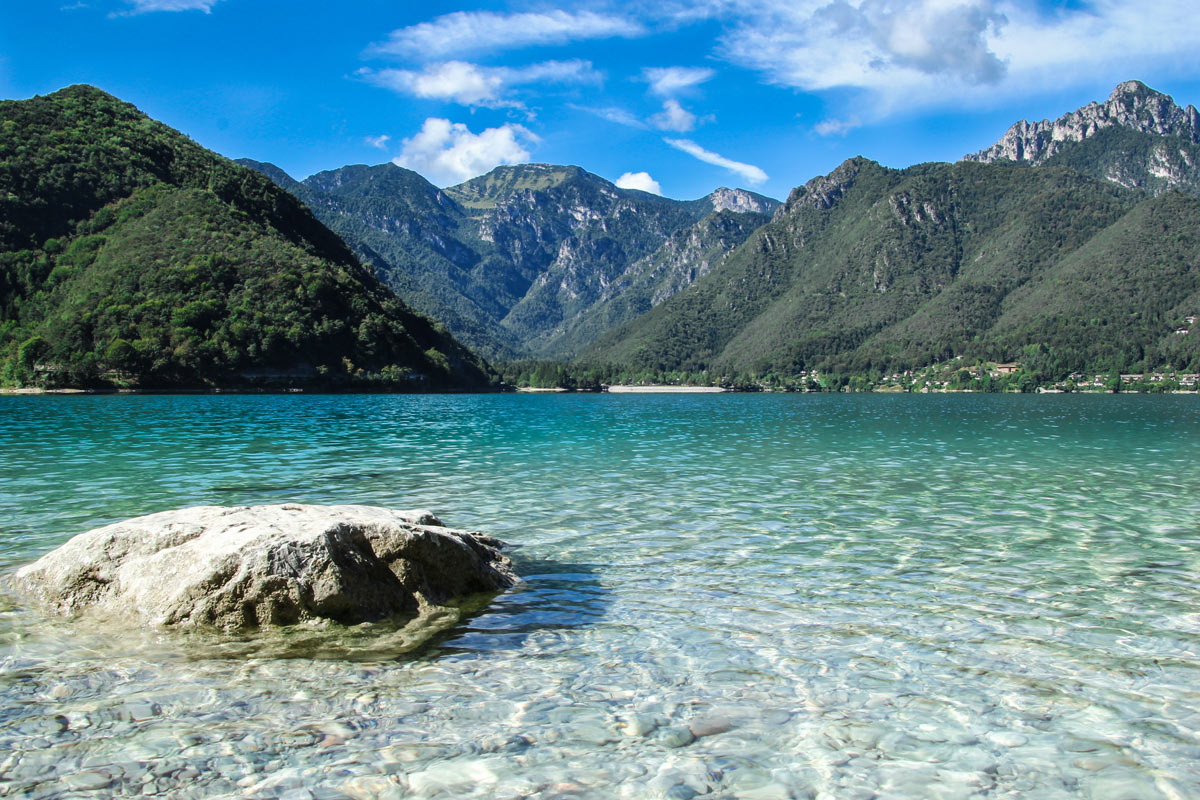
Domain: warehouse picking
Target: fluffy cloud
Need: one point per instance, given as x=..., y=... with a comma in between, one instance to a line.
x=486, y=31
x=674, y=117
x=912, y=53
x=930, y=36
x=378, y=141
x=146, y=6
x=447, y=153
x=475, y=85
x=1108, y=40
x=639, y=180
x=667, y=81
x=873, y=44
x=751, y=173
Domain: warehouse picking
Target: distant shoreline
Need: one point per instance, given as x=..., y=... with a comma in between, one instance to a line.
x=28, y=391
x=659, y=389
x=614, y=389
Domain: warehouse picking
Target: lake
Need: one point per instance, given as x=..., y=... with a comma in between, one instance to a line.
x=725, y=596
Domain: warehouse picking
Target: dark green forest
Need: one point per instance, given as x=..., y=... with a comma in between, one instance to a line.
x=132, y=257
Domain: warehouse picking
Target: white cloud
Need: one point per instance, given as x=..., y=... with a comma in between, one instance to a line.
x=146, y=6
x=667, y=81
x=486, y=31
x=447, y=153
x=907, y=54
x=614, y=114
x=475, y=85
x=1110, y=40
x=639, y=180
x=750, y=172
x=930, y=36
x=378, y=141
x=873, y=44
x=837, y=127
x=674, y=117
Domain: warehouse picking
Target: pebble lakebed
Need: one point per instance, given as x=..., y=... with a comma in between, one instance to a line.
x=724, y=597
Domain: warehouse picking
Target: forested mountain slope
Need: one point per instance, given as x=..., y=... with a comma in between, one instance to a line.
x=131, y=256
x=873, y=269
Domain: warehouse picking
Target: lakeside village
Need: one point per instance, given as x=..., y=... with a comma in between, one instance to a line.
x=954, y=375
x=991, y=377
x=950, y=376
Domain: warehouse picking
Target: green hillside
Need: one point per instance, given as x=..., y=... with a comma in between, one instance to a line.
x=1135, y=159
x=872, y=270
x=1119, y=300
x=418, y=241
x=130, y=256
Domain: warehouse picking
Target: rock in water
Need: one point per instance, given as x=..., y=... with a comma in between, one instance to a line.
x=250, y=566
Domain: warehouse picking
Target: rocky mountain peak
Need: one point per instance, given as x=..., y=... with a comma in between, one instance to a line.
x=740, y=201
x=824, y=191
x=1131, y=88
x=1132, y=105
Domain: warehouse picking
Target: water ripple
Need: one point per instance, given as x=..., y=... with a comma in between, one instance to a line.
x=726, y=597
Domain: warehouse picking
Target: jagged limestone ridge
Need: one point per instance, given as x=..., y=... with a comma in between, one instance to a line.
x=1131, y=105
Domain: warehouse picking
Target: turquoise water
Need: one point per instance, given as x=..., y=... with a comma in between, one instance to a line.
x=728, y=596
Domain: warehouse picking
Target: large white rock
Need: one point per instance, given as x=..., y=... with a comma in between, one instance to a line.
x=249, y=566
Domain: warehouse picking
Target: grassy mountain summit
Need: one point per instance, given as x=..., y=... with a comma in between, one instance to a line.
x=131, y=256
x=519, y=261
x=505, y=182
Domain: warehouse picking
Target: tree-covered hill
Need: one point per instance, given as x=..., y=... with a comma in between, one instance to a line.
x=878, y=270
x=417, y=240
x=131, y=256
x=517, y=261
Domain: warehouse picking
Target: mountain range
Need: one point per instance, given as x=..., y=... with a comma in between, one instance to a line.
x=871, y=269
x=1072, y=245
x=527, y=260
x=131, y=256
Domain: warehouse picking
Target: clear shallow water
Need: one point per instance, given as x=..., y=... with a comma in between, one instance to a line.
x=726, y=596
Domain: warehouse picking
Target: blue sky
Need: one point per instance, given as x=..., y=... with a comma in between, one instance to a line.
x=674, y=97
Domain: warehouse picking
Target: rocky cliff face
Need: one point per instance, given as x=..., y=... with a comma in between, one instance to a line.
x=685, y=257
x=1131, y=105
x=741, y=202
x=823, y=191
x=1138, y=138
